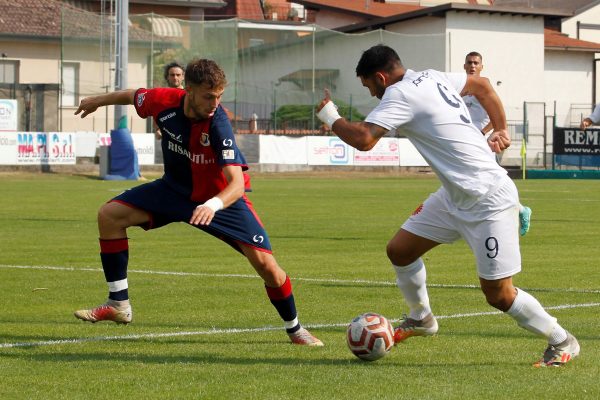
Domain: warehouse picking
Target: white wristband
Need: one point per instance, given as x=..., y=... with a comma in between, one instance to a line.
x=214, y=204
x=329, y=114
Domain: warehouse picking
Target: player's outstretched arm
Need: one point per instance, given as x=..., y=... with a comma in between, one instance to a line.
x=90, y=104
x=360, y=135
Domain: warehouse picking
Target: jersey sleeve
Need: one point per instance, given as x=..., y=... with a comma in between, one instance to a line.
x=393, y=110
x=595, y=117
x=143, y=102
x=223, y=141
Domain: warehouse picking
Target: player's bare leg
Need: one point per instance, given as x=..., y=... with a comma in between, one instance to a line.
x=404, y=251
x=279, y=290
x=113, y=220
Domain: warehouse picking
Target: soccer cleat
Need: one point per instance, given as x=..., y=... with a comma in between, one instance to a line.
x=524, y=220
x=560, y=354
x=304, y=337
x=428, y=326
x=109, y=311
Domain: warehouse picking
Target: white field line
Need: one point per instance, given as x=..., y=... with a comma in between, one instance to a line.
x=318, y=280
x=216, y=331
x=252, y=330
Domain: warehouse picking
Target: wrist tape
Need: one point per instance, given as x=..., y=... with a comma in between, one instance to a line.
x=214, y=204
x=329, y=114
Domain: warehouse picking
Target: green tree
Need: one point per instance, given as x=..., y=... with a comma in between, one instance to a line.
x=304, y=113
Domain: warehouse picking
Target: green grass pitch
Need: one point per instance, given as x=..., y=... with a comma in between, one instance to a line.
x=204, y=329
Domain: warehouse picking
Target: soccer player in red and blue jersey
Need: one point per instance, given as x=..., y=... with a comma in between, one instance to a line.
x=203, y=185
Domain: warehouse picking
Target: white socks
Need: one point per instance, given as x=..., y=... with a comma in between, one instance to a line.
x=530, y=315
x=410, y=279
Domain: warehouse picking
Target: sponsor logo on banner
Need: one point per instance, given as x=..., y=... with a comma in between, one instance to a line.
x=8, y=115
x=45, y=148
x=328, y=151
x=385, y=152
x=576, y=141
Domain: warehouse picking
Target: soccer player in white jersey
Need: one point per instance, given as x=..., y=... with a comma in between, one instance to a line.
x=479, y=117
x=594, y=118
x=477, y=201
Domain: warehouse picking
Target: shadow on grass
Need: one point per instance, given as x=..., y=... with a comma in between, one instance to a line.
x=201, y=357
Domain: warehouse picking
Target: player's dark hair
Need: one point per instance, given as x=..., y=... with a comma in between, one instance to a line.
x=171, y=65
x=474, y=54
x=202, y=71
x=377, y=58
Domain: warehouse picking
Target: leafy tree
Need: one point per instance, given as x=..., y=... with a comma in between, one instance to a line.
x=304, y=113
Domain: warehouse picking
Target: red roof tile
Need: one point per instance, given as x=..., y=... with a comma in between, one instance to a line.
x=249, y=9
x=370, y=8
x=557, y=40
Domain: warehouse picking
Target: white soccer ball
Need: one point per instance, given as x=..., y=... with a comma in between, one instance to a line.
x=370, y=336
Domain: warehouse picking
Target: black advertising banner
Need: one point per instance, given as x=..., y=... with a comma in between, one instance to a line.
x=577, y=142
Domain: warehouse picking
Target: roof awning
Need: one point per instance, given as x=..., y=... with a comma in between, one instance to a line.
x=303, y=78
x=165, y=26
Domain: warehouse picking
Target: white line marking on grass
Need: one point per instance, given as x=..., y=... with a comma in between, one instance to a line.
x=216, y=331
x=318, y=280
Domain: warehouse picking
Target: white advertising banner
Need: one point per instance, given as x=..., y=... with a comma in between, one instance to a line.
x=385, y=152
x=144, y=147
x=35, y=148
x=282, y=150
x=144, y=144
x=8, y=115
x=86, y=143
x=328, y=150
x=409, y=156
x=8, y=148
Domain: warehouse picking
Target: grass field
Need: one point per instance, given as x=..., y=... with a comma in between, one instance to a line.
x=204, y=328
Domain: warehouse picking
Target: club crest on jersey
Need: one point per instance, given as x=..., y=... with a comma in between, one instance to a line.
x=228, y=154
x=140, y=99
x=204, y=139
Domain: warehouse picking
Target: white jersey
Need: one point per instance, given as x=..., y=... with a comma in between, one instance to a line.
x=595, y=117
x=435, y=119
x=479, y=116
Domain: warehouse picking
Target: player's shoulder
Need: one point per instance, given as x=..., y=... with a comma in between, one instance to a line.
x=167, y=97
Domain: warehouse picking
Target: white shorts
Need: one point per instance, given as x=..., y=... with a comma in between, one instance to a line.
x=490, y=228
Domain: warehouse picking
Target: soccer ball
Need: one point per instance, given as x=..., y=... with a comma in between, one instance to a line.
x=370, y=336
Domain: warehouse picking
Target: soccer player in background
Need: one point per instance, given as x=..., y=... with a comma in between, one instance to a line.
x=203, y=185
x=473, y=66
x=477, y=201
x=174, y=75
x=594, y=118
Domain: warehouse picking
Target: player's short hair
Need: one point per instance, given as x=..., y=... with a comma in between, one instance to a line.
x=474, y=54
x=377, y=58
x=202, y=71
x=170, y=65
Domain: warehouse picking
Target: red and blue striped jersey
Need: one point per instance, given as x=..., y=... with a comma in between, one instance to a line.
x=194, y=151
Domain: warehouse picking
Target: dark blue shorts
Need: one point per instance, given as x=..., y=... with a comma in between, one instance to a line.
x=235, y=225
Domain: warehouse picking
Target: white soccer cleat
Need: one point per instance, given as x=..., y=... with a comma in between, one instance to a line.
x=560, y=354
x=304, y=337
x=109, y=311
x=428, y=326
